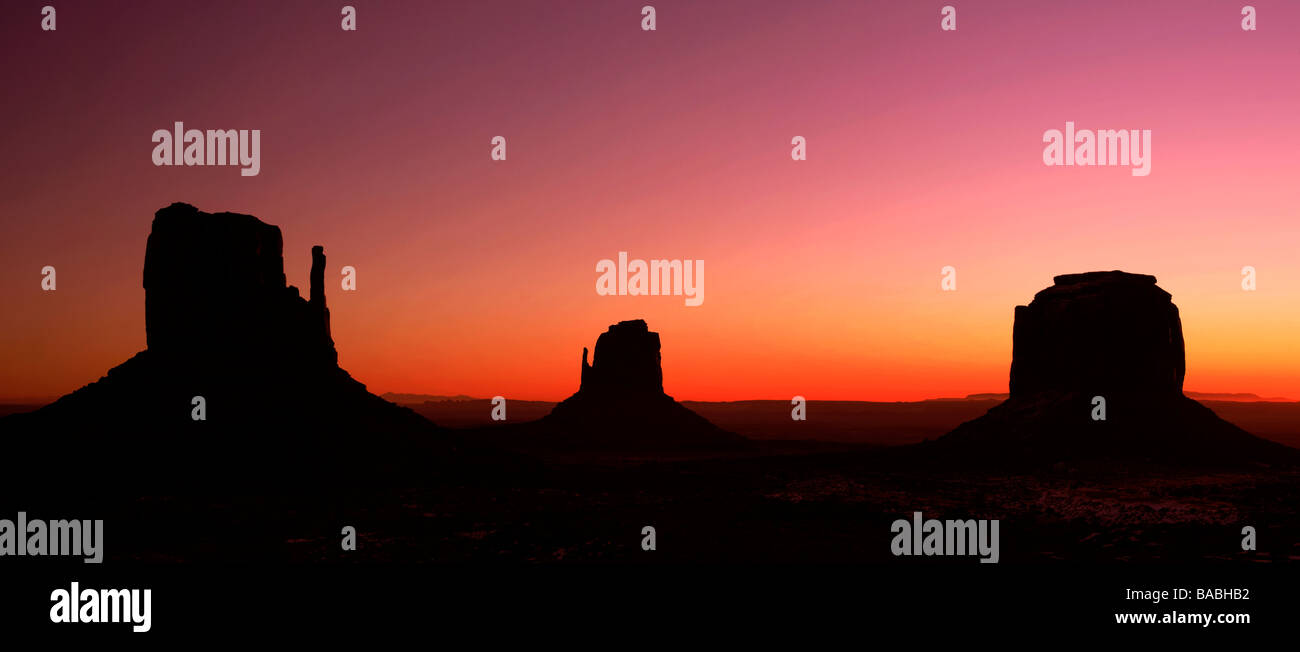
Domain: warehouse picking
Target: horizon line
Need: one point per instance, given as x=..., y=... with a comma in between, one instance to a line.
x=973, y=396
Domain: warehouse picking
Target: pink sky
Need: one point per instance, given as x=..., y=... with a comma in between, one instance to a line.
x=822, y=276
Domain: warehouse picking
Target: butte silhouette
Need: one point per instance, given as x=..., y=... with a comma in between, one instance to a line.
x=620, y=405
x=1102, y=336
x=222, y=324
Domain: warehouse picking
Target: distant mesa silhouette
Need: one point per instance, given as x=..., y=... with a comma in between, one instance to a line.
x=222, y=323
x=1118, y=336
x=620, y=404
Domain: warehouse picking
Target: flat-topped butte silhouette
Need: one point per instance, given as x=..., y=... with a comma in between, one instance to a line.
x=222, y=323
x=1100, y=332
x=1113, y=335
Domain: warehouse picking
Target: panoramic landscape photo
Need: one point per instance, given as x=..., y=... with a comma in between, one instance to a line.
x=608, y=282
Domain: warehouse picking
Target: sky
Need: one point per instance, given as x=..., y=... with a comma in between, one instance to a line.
x=822, y=276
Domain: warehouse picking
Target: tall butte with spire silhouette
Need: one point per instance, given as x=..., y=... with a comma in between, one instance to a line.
x=215, y=293
x=1097, y=370
x=222, y=324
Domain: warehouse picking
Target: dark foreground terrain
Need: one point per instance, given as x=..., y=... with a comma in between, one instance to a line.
x=787, y=500
x=819, y=507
